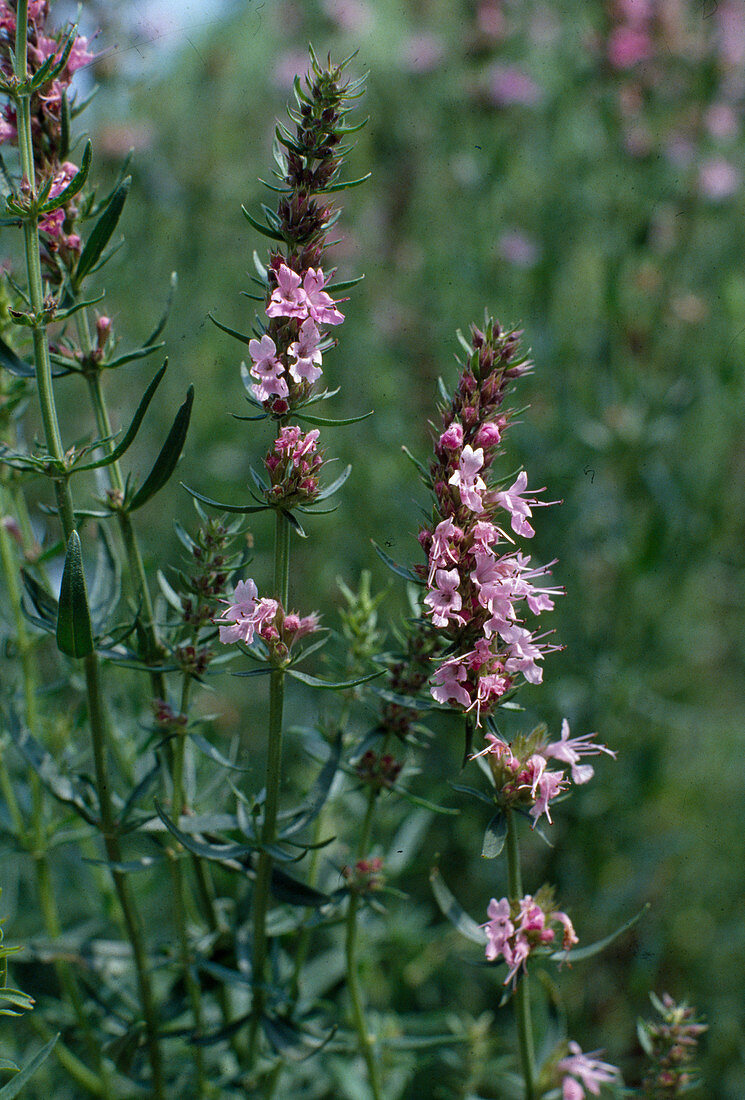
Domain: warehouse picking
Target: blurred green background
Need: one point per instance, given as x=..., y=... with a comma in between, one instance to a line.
x=577, y=169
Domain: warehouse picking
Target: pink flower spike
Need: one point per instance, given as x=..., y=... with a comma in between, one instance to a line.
x=584, y=1071
x=569, y=750
x=306, y=353
x=321, y=306
x=288, y=299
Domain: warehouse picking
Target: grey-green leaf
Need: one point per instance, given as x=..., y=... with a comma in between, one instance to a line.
x=170, y=453
x=74, y=632
x=495, y=836
x=13, y=1087
x=453, y=910
x=102, y=232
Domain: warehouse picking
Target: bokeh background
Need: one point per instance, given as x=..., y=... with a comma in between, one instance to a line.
x=576, y=168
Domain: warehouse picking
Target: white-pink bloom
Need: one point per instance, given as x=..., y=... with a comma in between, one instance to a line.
x=445, y=600
x=499, y=928
x=485, y=534
x=441, y=552
x=512, y=500
x=523, y=653
x=452, y=438
x=239, y=617
x=447, y=683
x=320, y=305
x=569, y=750
x=547, y=787
x=467, y=479
x=263, y=354
x=307, y=353
x=288, y=298
x=584, y=1071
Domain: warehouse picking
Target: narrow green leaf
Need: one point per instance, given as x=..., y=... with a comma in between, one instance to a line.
x=323, y=421
x=581, y=953
x=240, y=509
x=170, y=453
x=44, y=604
x=294, y=892
x=335, y=485
x=128, y=439
x=462, y=788
x=74, y=631
x=241, y=336
x=101, y=233
x=13, y=364
x=294, y=523
x=75, y=185
x=453, y=911
x=132, y=356
x=399, y=570
x=158, y=330
x=495, y=836
x=263, y=229
x=217, y=852
x=13, y=1088
x=214, y=754
x=424, y=803
x=343, y=185
x=65, y=122
x=313, y=681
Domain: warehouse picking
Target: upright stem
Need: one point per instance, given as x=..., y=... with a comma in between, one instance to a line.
x=67, y=517
x=271, y=803
x=522, y=993
x=353, y=983
x=138, y=579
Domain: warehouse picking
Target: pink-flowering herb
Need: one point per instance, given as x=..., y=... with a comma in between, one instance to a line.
x=583, y=1073
x=521, y=772
x=249, y=615
x=294, y=464
x=517, y=928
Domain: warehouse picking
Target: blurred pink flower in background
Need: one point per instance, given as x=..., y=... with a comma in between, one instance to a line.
x=731, y=18
x=509, y=84
x=627, y=46
x=288, y=66
x=518, y=249
x=349, y=15
x=721, y=120
x=422, y=53
x=718, y=179
x=490, y=19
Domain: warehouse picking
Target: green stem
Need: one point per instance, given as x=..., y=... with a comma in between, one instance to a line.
x=366, y=1041
x=271, y=803
x=522, y=993
x=66, y=512
x=138, y=578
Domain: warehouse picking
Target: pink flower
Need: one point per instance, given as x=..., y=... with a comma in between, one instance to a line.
x=569, y=750
x=448, y=683
x=547, y=787
x=422, y=53
x=263, y=353
x=240, y=614
x=467, y=479
x=441, y=551
x=452, y=438
x=488, y=435
x=288, y=299
x=8, y=131
x=523, y=653
x=519, y=509
x=79, y=55
x=445, y=600
x=583, y=1071
x=518, y=249
x=499, y=928
x=307, y=353
x=320, y=305
x=266, y=369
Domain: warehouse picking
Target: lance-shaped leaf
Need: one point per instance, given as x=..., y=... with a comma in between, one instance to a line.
x=170, y=453
x=290, y=1041
x=42, y=602
x=101, y=233
x=230, y=331
x=128, y=438
x=495, y=836
x=13, y=364
x=313, y=681
x=240, y=509
x=294, y=892
x=16, y=1084
x=218, y=852
x=399, y=570
x=214, y=754
x=578, y=954
x=265, y=230
x=318, y=794
x=158, y=330
x=424, y=803
x=453, y=910
x=71, y=792
x=75, y=185
x=65, y=123
x=335, y=485
x=74, y=631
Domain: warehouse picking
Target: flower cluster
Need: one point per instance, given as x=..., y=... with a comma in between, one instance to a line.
x=294, y=464
x=521, y=771
x=579, y=1071
x=378, y=771
x=248, y=615
x=365, y=877
x=476, y=580
x=46, y=103
x=515, y=929
x=671, y=1046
